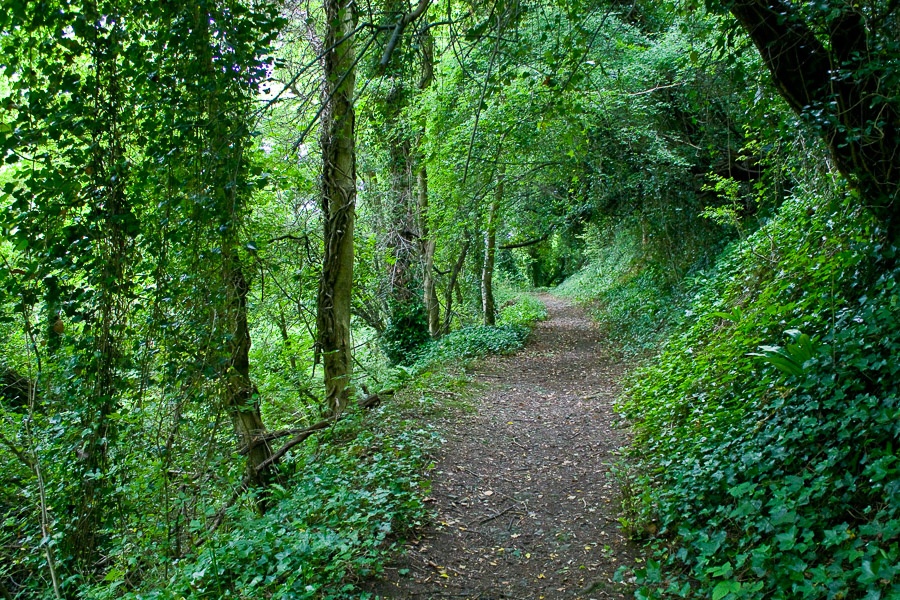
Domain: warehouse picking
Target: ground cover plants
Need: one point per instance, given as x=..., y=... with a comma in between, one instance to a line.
x=766, y=429
x=229, y=228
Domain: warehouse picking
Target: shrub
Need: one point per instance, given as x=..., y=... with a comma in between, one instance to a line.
x=514, y=325
x=523, y=311
x=472, y=342
x=406, y=332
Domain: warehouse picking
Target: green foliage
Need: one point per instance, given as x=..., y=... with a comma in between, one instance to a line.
x=351, y=499
x=156, y=197
x=766, y=457
x=513, y=326
x=791, y=358
x=406, y=331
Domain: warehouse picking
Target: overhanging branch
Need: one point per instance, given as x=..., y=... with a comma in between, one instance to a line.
x=399, y=27
x=526, y=243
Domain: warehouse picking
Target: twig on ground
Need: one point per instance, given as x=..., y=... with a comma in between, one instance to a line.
x=497, y=516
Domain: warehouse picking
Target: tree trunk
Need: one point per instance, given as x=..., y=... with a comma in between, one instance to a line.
x=222, y=180
x=838, y=90
x=490, y=248
x=401, y=221
x=243, y=406
x=338, y=204
x=452, y=285
x=432, y=307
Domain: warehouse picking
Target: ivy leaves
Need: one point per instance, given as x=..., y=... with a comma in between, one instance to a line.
x=779, y=473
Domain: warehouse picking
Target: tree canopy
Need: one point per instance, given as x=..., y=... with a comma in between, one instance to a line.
x=231, y=226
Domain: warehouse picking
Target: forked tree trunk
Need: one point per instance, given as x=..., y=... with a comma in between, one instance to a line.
x=338, y=204
x=286, y=339
x=453, y=285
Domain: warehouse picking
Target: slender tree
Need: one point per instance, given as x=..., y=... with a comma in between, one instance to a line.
x=488, y=305
x=426, y=236
x=115, y=231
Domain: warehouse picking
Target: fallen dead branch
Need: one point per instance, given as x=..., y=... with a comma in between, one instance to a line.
x=300, y=435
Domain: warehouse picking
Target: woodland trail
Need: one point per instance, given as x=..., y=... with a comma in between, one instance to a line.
x=526, y=505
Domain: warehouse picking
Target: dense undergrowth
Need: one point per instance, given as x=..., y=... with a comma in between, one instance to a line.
x=766, y=429
x=635, y=301
x=344, y=501
x=519, y=313
x=351, y=500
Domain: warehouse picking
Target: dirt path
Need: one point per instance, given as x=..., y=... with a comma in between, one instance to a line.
x=525, y=502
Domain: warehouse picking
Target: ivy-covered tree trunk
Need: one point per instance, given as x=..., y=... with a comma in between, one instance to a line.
x=401, y=207
x=242, y=404
x=404, y=224
x=338, y=203
x=112, y=231
x=432, y=307
x=224, y=181
x=72, y=213
x=839, y=88
x=490, y=249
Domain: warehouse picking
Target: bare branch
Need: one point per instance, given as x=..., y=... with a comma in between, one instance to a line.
x=18, y=453
x=526, y=243
x=399, y=27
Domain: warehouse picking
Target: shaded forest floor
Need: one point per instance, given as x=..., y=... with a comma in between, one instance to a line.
x=525, y=503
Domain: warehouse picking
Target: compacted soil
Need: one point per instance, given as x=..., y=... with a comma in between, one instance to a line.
x=526, y=505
